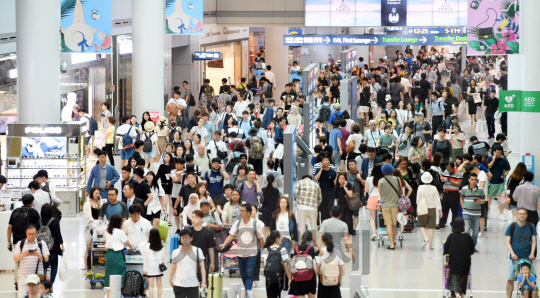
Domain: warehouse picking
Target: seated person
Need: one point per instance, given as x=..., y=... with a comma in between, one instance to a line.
x=527, y=281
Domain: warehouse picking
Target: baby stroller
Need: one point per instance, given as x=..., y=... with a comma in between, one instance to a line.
x=517, y=270
x=230, y=260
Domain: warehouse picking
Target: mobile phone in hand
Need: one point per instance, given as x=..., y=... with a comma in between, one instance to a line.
x=31, y=250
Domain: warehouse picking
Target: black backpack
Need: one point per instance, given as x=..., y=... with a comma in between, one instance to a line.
x=273, y=270
x=230, y=166
x=325, y=112
x=339, y=117
x=21, y=217
x=133, y=284
x=147, y=147
x=220, y=154
x=191, y=100
x=437, y=181
x=381, y=96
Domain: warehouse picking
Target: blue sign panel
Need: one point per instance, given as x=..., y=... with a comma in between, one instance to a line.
x=296, y=31
x=392, y=29
x=438, y=30
x=374, y=40
x=206, y=55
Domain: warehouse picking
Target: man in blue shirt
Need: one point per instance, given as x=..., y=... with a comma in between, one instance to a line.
x=214, y=179
x=209, y=127
x=499, y=167
x=326, y=102
x=521, y=243
x=338, y=112
x=245, y=123
x=325, y=176
x=335, y=142
x=437, y=112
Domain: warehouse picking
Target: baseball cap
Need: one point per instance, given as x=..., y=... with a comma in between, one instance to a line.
x=337, y=106
x=420, y=114
x=139, y=172
x=387, y=169
x=204, y=201
x=32, y=279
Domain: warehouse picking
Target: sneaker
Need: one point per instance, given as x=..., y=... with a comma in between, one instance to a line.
x=424, y=244
x=481, y=235
x=177, y=231
x=170, y=224
x=475, y=250
x=437, y=228
x=501, y=217
x=485, y=229
x=373, y=237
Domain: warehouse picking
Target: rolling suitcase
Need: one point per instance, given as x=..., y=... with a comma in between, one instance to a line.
x=175, y=243
x=215, y=285
x=163, y=230
x=409, y=227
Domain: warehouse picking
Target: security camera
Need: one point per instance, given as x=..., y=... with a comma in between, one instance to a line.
x=63, y=67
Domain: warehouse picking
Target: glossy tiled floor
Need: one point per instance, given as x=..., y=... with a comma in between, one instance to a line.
x=407, y=272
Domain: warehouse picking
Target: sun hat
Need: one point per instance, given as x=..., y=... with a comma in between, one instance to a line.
x=32, y=279
x=427, y=178
x=164, y=120
x=149, y=126
x=388, y=97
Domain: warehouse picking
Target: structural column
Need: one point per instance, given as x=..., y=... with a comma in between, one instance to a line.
x=148, y=79
x=38, y=61
x=277, y=56
x=521, y=126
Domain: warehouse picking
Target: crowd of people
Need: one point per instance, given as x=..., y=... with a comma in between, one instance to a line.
x=217, y=174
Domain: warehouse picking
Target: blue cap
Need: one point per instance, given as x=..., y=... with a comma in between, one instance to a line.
x=387, y=169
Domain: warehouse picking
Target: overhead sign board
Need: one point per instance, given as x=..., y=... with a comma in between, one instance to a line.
x=438, y=30
x=206, y=55
x=374, y=40
x=392, y=29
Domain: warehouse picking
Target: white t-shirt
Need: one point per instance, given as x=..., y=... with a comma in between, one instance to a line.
x=116, y=241
x=282, y=225
x=137, y=232
x=405, y=82
x=155, y=205
x=176, y=186
x=482, y=176
x=122, y=130
x=239, y=131
x=358, y=139
x=213, y=149
x=153, y=138
x=202, y=131
x=179, y=101
x=240, y=107
x=186, y=267
x=371, y=189
x=86, y=119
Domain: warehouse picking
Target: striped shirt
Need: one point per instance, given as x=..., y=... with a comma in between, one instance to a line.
x=456, y=177
x=28, y=264
x=469, y=195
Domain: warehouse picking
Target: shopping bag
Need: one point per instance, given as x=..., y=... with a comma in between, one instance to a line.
x=100, y=139
x=477, y=99
x=503, y=201
x=279, y=152
x=462, y=109
x=482, y=126
x=62, y=269
x=497, y=115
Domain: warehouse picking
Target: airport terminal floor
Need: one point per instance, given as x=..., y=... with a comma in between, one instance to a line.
x=407, y=272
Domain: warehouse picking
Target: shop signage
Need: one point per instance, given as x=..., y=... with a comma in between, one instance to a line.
x=206, y=55
x=309, y=77
x=438, y=30
x=296, y=31
x=496, y=27
x=519, y=101
x=214, y=34
x=374, y=40
x=45, y=130
x=184, y=17
x=86, y=26
x=154, y=116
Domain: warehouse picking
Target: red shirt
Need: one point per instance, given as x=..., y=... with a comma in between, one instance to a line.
x=344, y=137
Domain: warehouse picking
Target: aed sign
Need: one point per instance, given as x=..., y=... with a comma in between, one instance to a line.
x=519, y=101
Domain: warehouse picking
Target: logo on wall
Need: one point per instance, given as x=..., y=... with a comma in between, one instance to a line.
x=86, y=26
x=184, y=17
x=393, y=12
x=343, y=7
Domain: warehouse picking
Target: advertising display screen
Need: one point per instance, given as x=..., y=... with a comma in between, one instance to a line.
x=43, y=147
x=342, y=13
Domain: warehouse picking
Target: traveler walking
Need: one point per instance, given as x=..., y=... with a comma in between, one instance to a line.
x=53, y=225
x=152, y=252
x=390, y=188
x=428, y=202
x=460, y=247
x=187, y=260
x=527, y=196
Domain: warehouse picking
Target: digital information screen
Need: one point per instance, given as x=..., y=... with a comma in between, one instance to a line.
x=345, y=13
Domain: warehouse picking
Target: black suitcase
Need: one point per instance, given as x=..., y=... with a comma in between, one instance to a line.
x=409, y=227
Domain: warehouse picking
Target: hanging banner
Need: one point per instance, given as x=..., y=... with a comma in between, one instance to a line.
x=493, y=27
x=86, y=26
x=519, y=101
x=184, y=17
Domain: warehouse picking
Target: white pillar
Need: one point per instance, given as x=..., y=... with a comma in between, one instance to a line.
x=277, y=56
x=514, y=122
x=148, y=82
x=38, y=61
x=529, y=45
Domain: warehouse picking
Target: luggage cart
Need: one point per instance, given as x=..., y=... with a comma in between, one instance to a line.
x=382, y=233
x=98, y=254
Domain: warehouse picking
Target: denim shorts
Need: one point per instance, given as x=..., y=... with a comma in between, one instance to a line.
x=533, y=288
x=512, y=270
x=125, y=155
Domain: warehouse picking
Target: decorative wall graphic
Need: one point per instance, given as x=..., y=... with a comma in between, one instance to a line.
x=86, y=26
x=493, y=27
x=184, y=17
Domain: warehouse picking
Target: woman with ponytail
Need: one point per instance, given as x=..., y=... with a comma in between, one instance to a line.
x=308, y=287
x=329, y=268
x=269, y=201
x=275, y=253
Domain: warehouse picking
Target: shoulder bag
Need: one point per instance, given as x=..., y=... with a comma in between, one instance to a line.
x=162, y=266
x=404, y=203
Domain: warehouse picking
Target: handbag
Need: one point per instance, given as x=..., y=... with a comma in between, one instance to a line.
x=44, y=275
x=404, y=203
x=482, y=126
x=162, y=266
x=352, y=145
x=477, y=99
x=497, y=115
x=461, y=109
x=503, y=200
x=62, y=269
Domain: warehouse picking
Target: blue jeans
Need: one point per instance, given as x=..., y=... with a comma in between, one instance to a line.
x=247, y=266
x=472, y=222
x=336, y=157
x=447, y=121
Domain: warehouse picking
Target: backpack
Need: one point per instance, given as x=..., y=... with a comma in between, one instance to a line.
x=44, y=234
x=437, y=181
x=148, y=143
x=230, y=166
x=127, y=141
x=256, y=148
x=172, y=131
x=338, y=117
x=329, y=272
x=512, y=228
x=56, y=212
x=191, y=100
x=301, y=265
x=273, y=270
x=220, y=154
x=480, y=148
x=93, y=125
x=133, y=284
x=381, y=96
x=21, y=217
x=325, y=112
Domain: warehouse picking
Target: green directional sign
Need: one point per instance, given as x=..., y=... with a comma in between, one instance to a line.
x=519, y=101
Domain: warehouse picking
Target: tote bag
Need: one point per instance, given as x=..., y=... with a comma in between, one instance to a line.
x=279, y=152
x=482, y=126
